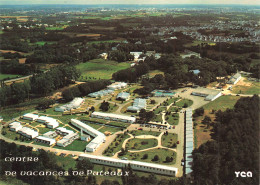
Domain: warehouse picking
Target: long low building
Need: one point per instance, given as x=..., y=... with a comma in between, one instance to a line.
x=209, y=94
x=63, y=131
x=117, y=85
x=101, y=93
x=99, y=137
x=45, y=140
x=114, y=117
x=68, y=139
x=123, y=96
x=135, y=165
x=74, y=104
x=188, y=141
x=28, y=132
x=50, y=122
x=15, y=126
x=30, y=116
x=234, y=79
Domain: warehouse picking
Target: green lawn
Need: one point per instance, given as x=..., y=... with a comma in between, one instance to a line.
x=253, y=89
x=157, y=118
x=100, y=69
x=222, y=103
x=140, y=144
x=110, y=129
x=41, y=43
x=112, y=108
x=8, y=76
x=183, y=101
x=169, y=140
x=77, y=145
x=162, y=154
x=54, y=28
x=142, y=132
x=172, y=119
x=65, y=162
x=116, y=145
x=159, y=109
x=172, y=100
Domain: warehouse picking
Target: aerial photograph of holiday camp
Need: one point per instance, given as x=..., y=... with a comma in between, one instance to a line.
x=129, y=92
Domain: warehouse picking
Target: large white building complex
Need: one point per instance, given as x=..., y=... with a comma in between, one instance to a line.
x=114, y=117
x=50, y=122
x=135, y=165
x=99, y=137
x=188, y=141
x=74, y=104
x=45, y=140
x=209, y=94
x=234, y=79
x=137, y=105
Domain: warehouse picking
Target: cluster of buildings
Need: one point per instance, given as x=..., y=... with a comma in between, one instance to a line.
x=137, y=105
x=135, y=165
x=113, y=117
x=48, y=121
x=188, y=141
x=110, y=89
x=209, y=94
x=74, y=104
x=24, y=131
x=188, y=53
x=234, y=79
x=99, y=137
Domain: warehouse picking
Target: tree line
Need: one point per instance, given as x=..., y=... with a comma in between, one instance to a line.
x=38, y=85
x=235, y=146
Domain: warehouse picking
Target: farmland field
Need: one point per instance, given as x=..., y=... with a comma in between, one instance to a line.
x=100, y=69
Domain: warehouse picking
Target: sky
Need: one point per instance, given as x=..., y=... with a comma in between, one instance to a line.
x=22, y=2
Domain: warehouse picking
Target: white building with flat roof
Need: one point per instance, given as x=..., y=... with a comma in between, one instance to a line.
x=209, y=94
x=28, y=132
x=63, y=131
x=117, y=85
x=30, y=116
x=50, y=122
x=114, y=117
x=135, y=165
x=45, y=140
x=68, y=139
x=99, y=137
x=15, y=126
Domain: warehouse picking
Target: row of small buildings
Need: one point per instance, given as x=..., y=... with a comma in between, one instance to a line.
x=113, y=117
x=188, y=141
x=137, y=105
x=74, y=104
x=48, y=121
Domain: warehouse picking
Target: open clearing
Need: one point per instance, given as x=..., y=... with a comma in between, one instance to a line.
x=100, y=69
x=245, y=86
x=8, y=76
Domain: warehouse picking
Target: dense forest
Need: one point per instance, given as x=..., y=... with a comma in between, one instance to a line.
x=235, y=147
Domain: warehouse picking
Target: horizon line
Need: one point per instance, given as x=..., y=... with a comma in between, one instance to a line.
x=129, y=4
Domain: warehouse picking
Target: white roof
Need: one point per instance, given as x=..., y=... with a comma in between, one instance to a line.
x=30, y=115
x=117, y=116
x=29, y=131
x=62, y=129
x=47, y=119
x=52, y=141
x=84, y=126
x=131, y=162
x=14, y=124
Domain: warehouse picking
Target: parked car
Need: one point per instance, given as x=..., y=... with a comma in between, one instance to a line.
x=178, y=142
x=140, y=129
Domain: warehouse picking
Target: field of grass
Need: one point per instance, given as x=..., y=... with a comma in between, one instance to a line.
x=112, y=108
x=172, y=119
x=196, y=42
x=142, y=132
x=116, y=145
x=183, y=101
x=109, y=129
x=54, y=28
x=41, y=43
x=162, y=154
x=254, y=88
x=8, y=76
x=140, y=144
x=100, y=69
x=159, y=109
x=65, y=162
x=77, y=145
x=222, y=103
x=169, y=140
x=155, y=72
x=157, y=118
